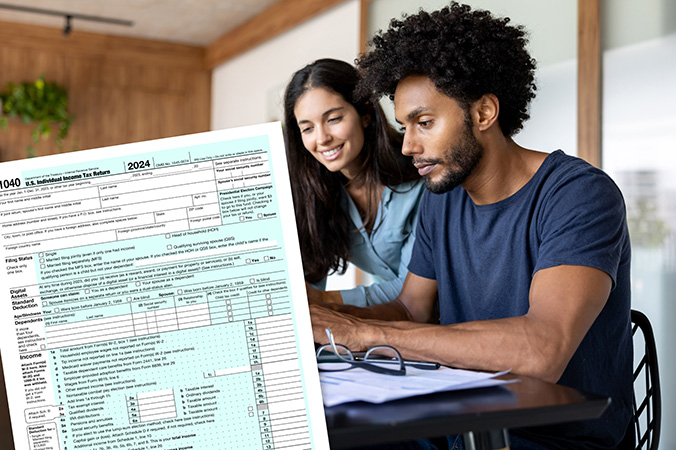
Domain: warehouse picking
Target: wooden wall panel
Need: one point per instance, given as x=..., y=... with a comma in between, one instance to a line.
x=120, y=90
x=589, y=89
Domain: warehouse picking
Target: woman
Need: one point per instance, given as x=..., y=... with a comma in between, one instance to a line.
x=355, y=195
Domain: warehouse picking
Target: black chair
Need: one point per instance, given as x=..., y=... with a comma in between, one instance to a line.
x=647, y=396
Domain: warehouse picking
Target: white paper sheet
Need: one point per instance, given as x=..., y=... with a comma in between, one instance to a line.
x=362, y=385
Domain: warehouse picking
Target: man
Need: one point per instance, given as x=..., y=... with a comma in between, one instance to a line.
x=528, y=252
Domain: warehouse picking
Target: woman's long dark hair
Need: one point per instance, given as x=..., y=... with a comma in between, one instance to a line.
x=323, y=227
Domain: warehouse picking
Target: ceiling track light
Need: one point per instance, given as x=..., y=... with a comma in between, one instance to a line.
x=67, y=28
x=68, y=16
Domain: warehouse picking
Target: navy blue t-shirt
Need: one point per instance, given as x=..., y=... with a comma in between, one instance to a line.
x=483, y=258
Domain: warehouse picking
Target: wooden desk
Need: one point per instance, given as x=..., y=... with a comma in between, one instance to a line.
x=485, y=414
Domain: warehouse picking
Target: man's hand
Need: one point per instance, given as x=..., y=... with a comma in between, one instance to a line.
x=344, y=327
x=360, y=328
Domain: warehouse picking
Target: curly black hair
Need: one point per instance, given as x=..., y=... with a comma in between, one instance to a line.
x=465, y=53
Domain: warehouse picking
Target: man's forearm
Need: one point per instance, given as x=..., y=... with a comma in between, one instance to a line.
x=391, y=311
x=491, y=345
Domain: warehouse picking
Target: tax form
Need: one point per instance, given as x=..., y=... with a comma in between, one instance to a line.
x=152, y=297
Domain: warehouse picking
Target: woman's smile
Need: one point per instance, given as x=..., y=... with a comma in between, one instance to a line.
x=332, y=153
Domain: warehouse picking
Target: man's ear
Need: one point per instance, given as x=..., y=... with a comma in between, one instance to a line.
x=486, y=111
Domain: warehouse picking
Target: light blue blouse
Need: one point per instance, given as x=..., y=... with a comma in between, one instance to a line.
x=385, y=252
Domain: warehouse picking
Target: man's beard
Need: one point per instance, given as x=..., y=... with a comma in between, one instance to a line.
x=459, y=161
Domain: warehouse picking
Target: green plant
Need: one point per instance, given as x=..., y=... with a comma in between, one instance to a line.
x=40, y=102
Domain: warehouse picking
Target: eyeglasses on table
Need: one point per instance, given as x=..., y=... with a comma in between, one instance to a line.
x=383, y=359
